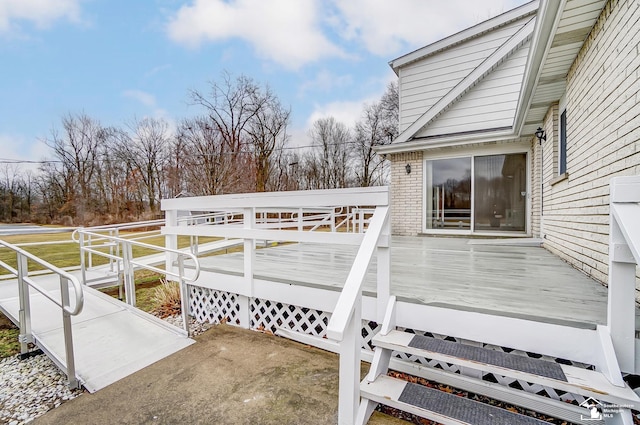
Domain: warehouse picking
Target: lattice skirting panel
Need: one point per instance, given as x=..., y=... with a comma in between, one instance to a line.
x=208, y=305
x=270, y=316
x=211, y=306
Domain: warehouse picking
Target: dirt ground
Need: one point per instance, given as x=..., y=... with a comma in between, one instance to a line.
x=230, y=376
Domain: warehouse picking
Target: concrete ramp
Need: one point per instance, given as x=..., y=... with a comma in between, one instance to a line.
x=111, y=339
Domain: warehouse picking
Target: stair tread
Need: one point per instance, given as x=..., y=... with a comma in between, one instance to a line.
x=492, y=357
x=573, y=379
x=438, y=405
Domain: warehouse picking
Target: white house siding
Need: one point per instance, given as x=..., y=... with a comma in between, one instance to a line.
x=426, y=81
x=603, y=139
x=406, y=194
x=491, y=103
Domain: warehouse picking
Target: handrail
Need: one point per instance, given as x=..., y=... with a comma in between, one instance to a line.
x=624, y=257
x=77, y=287
x=148, y=246
x=24, y=282
x=353, y=285
x=128, y=263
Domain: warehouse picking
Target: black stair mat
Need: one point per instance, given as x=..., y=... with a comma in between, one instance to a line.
x=461, y=408
x=496, y=358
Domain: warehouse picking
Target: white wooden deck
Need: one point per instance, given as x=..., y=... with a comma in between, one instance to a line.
x=500, y=278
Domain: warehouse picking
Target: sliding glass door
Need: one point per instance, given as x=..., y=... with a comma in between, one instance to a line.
x=481, y=193
x=500, y=192
x=448, y=193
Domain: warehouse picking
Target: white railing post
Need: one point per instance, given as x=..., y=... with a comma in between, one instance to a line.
x=90, y=254
x=82, y=259
x=300, y=226
x=383, y=290
x=349, y=375
x=129, y=276
x=333, y=219
x=625, y=192
x=68, y=337
x=249, y=222
x=171, y=241
x=24, y=315
x=111, y=251
x=184, y=295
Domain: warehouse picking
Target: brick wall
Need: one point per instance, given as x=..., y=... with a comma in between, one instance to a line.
x=603, y=139
x=406, y=194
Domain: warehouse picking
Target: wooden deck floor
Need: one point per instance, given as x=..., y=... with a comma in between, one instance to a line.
x=503, y=279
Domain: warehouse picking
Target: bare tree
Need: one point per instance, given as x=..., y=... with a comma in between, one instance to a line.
x=267, y=132
x=378, y=126
x=249, y=124
x=146, y=150
x=77, y=150
x=331, y=151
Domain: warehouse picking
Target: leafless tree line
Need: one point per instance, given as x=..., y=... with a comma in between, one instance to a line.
x=239, y=143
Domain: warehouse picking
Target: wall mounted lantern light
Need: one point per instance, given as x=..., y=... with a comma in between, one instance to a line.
x=408, y=168
x=541, y=135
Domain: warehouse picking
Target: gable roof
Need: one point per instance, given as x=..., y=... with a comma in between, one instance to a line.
x=465, y=35
x=552, y=40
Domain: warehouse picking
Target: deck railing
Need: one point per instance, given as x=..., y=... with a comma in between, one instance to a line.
x=346, y=322
x=319, y=217
x=126, y=263
x=624, y=256
x=24, y=282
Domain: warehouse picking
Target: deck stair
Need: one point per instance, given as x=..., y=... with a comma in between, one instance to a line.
x=446, y=408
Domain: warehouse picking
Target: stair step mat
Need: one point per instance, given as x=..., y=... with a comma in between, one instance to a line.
x=492, y=357
x=461, y=408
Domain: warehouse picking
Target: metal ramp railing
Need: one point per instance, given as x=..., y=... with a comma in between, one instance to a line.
x=126, y=264
x=24, y=283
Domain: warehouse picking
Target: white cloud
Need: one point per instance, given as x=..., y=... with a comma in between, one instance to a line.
x=145, y=98
x=149, y=100
x=345, y=111
x=287, y=32
x=388, y=27
x=42, y=13
x=325, y=80
x=17, y=148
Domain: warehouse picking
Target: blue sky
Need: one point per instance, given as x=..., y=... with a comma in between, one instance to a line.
x=117, y=60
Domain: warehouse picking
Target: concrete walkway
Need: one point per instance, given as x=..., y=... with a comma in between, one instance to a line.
x=229, y=376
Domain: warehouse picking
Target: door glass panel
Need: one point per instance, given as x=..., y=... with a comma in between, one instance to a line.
x=500, y=192
x=448, y=186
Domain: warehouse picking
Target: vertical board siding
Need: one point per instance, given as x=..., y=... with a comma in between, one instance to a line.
x=406, y=194
x=603, y=139
x=424, y=82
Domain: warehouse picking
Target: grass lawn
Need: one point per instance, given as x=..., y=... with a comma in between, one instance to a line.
x=66, y=253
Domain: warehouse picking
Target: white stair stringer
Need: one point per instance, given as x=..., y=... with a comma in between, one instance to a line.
x=425, y=402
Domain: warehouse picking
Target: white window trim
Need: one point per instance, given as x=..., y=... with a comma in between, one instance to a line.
x=562, y=107
x=523, y=147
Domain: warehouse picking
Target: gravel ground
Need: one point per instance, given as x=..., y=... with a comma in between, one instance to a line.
x=31, y=387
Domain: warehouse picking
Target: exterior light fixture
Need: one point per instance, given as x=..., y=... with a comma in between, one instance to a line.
x=408, y=168
x=541, y=135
